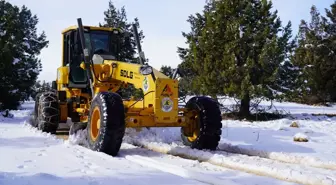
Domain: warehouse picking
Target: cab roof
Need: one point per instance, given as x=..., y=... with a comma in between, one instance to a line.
x=70, y=28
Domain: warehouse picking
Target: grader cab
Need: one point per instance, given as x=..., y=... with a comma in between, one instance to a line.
x=87, y=91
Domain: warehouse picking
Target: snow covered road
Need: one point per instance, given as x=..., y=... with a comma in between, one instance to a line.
x=29, y=157
x=256, y=165
x=33, y=158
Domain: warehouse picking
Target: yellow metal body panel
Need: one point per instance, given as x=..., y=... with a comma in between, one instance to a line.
x=159, y=107
x=62, y=75
x=64, y=112
x=148, y=121
x=70, y=28
x=166, y=101
x=129, y=73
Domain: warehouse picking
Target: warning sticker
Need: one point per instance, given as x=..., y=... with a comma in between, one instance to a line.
x=145, y=84
x=167, y=91
x=166, y=104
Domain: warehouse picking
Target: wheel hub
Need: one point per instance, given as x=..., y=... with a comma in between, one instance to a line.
x=95, y=124
x=196, y=127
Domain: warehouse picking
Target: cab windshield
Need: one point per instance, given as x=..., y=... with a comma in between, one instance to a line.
x=101, y=42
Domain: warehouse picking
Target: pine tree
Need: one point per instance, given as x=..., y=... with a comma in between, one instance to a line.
x=316, y=56
x=118, y=19
x=189, y=73
x=40, y=87
x=235, y=49
x=167, y=70
x=20, y=45
x=329, y=48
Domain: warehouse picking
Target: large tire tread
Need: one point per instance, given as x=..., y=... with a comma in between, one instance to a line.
x=210, y=123
x=48, y=112
x=34, y=120
x=112, y=125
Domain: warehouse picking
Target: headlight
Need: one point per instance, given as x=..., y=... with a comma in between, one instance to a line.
x=97, y=59
x=146, y=70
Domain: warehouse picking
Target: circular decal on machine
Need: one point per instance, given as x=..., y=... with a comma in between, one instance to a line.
x=166, y=104
x=145, y=84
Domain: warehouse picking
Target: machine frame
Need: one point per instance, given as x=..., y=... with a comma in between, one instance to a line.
x=94, y=104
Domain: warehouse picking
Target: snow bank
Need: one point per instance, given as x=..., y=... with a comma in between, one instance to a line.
x=274, y=140
x=31, y=157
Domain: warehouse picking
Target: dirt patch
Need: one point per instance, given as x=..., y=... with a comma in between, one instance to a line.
x=64, y=137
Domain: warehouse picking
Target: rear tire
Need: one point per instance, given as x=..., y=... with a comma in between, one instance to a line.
x=34, y=120
x=209, y=124
x=48, y=112
x=106, y=124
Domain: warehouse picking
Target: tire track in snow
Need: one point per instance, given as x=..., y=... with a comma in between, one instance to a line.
x=176, y=170
x=282, y=157
x=255, y=165
x=250, y=164
x=167, y=168
x=172, y=164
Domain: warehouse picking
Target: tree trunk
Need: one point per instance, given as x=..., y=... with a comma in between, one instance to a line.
x=245, y=106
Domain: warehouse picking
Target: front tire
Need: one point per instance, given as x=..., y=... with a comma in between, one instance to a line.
x=106, y=124
x=207, y=124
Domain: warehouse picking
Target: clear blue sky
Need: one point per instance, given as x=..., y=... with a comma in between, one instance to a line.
x=161, y=20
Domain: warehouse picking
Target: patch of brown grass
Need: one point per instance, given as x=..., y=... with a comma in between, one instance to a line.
x=294, y=124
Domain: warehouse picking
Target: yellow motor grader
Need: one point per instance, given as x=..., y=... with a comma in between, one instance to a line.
x=87, y=91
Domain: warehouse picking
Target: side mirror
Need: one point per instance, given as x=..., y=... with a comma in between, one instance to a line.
x=146, y=70
x=54, y=85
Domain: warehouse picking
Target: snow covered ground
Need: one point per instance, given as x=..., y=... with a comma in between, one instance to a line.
x=249, y=153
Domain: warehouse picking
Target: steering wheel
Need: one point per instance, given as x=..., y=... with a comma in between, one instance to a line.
x=99, y=45
x=100, y=51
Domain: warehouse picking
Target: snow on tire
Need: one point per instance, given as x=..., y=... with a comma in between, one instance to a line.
x=48, y=112
x=106, y=124
x=34, y=119
x=210, y=123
